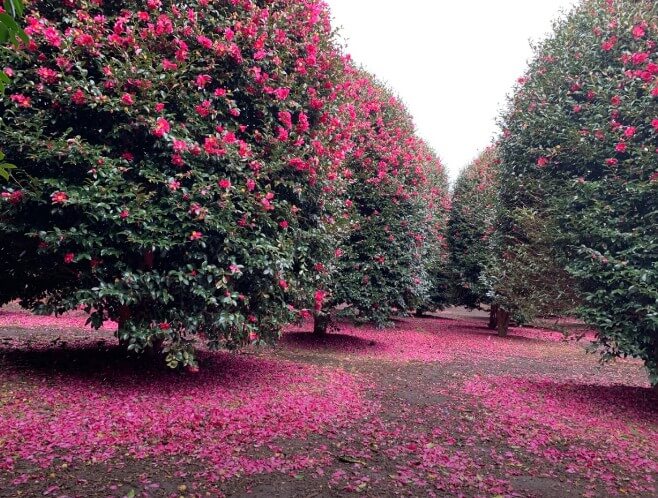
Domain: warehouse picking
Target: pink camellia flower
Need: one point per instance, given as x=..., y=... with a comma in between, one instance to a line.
x=283, y=224
x=630, y=131
x=14, y=198
x=654, y=177
x=638, y=31
x=612, y=161
x=78, y=97
x=283, y=284
x=204, y=41
x=167, y=65
x=127, y=99
x=124, y=214
x=654, y=123
x=21, y=100
x=282, y=93
x=47, y=75
x=542, y=161
x=639, y=58
x=621, y=147
x=224, y=183
x=609, y=44
x=59, y=197
x=196, y=235
x=616, y=100
x=338, y=253
x=164, y=326
x=162, y=127
x=319, y=297
x=69, y=257
x=251, y=185
x=253, y=336
x=203, y=80
x=174, y=185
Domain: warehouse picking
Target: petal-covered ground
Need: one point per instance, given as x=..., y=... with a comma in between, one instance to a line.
x=434, y=407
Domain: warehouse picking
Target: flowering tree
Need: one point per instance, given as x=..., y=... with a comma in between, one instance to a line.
x=472, y=222
x=390, y=258
x=579, y=154
x=177, y=164
x=10, y=32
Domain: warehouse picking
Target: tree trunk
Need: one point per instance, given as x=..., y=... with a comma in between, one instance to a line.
x=493, y=317
x=320, y=323
x=124, y=316
x=503, y=322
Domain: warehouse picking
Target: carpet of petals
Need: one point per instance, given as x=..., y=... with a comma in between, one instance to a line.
x=434, y=407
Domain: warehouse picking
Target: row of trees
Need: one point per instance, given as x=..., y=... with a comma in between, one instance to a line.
x=568, y=221
x=212, y=169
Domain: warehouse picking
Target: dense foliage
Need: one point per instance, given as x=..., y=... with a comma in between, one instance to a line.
x=12, y=34
x=177, y=163
x=579, y=157
x=472, y=222
x=392, y=256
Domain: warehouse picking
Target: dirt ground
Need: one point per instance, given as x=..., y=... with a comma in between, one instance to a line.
x=438, y=406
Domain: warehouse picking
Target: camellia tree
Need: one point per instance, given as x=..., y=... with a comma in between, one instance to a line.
x=177, y=163
x=471, y=225
x=12, y=34
x=579, y=157
x=391, y=254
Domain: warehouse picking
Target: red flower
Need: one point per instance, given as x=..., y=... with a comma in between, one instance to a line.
x=127, y=99
x=542, y=161
x=609, y=44
x=621, y=147
x=162, y=127
x=282, y=93
x=629, y=132
x=21, y=100
x=124, y=214
x=283, y=284
x=639, y=58
x=638, y=31
x=202, y=80
x=78, y=97
x=59, y=197
x=319, y=298
x=283, y=224
x=224, y=183
x=654, y=123
x=164, y=326
x=196, y=235
x=69, y=257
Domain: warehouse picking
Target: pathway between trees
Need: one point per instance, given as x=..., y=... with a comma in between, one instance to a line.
x=435, y=407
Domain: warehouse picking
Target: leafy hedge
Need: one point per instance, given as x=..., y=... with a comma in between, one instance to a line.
x=177, y=161
x=390, y=260
x=471, y=225
x=579, y=155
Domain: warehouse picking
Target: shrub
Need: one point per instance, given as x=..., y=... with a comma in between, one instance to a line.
x=389, y=260
x=472, y=222
x=579, y=155
x=177, y=162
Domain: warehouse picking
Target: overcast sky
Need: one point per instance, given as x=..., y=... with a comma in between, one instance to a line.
x=452, y=62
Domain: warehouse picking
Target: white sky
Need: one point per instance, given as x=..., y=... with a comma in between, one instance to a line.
x=452, y=62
